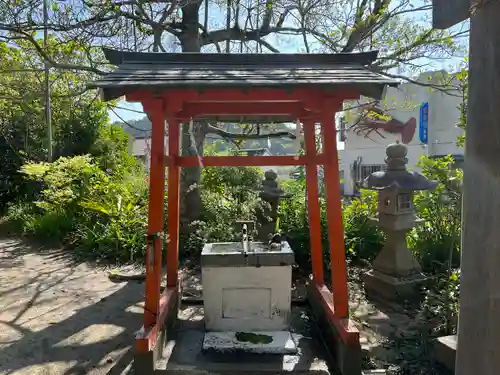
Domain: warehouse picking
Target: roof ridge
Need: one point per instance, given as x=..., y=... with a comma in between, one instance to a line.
x=117, y=57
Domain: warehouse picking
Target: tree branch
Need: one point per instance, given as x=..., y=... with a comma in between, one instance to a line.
x=233, y=33
x=62, y=66
x=363, y=27
x=228, y=135
x=268, y=46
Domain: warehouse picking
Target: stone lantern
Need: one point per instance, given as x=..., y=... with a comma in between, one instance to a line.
x=396, y=273
x=271, y=194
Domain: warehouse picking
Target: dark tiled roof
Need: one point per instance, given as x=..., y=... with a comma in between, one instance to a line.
x=161, y=71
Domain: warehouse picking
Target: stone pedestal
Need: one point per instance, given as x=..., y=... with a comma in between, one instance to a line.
x=393, y=288
x=396, y=274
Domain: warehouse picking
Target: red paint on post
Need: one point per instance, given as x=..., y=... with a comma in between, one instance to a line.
x=313, y=202
x=334, y=210
x=155, y=110
x=173, y=203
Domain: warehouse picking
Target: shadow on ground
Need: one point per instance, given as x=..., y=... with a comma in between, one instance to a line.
x=58, y=317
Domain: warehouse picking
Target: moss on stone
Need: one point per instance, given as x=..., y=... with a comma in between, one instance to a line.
x=253, y=338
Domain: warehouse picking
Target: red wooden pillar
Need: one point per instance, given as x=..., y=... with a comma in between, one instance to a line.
x=334, y=210
x=156, y=110
x=173, y=202
x=313, y=202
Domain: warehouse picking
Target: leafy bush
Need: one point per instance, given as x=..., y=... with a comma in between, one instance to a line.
x=227, y=194
x=363, y=240
x=294, y=221
x=436, y=242
x=98, y=204
x=64, y=183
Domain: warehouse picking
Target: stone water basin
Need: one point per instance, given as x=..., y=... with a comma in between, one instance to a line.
x=259, y=254
x=246, y=291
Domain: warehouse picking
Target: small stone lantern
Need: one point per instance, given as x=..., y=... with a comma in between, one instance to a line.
x=272, y=194
x=396, y=273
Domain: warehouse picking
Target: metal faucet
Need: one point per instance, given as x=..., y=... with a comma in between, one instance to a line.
x=244, y=239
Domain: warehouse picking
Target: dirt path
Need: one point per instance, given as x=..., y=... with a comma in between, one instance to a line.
x=59, y=318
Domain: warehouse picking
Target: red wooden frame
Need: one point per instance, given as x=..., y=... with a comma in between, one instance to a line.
x=310, y=105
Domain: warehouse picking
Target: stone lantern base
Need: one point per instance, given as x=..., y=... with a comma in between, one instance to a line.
x=393, y=288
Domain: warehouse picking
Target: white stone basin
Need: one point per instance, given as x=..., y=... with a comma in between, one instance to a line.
x=246, y=291
x=260, y=254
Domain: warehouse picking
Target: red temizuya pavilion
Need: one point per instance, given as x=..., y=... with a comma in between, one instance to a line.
x=175, y=88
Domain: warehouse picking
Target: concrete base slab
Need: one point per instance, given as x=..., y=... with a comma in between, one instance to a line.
x=266, y=342
x=391, y=288
x=445, y=351
x=185, y=355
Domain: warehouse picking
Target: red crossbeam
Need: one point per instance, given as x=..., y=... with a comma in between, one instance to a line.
x=194, y=109
x=231, y=95
x=241, y=161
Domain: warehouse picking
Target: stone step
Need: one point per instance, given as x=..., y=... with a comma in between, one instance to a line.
x=185, y=355
x=445, y=350
x=240, y=371
x=189, y=370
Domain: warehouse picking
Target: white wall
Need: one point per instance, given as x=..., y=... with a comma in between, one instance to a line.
x=141, y=147
x=403, y=103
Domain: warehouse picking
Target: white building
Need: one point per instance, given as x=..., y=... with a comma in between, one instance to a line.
x=403, y=120
x=140, y=148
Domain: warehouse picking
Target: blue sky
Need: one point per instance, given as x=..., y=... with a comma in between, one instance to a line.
x=289, y=45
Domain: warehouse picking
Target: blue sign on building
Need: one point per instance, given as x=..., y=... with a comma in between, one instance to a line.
x=423, y=129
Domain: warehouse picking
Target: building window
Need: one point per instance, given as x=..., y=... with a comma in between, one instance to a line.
x=363, y=171
x=404, y=202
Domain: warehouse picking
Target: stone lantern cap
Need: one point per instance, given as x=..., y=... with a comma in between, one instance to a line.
x=396, y=174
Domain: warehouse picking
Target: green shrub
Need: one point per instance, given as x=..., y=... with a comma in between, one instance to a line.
x=115, y=220
x=436, y=242
x=228, y=194
x=102, y=214
x=294, y=222
x=363, y=240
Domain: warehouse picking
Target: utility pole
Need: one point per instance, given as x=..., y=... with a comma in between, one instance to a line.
x=478, y=349
x=48, y=104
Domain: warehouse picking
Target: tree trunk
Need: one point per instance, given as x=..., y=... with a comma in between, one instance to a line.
x=191, y=176
x=190, y=209
x=478, y=350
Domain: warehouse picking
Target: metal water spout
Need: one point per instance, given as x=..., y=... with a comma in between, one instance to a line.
x=244, y=239
x=245, y=227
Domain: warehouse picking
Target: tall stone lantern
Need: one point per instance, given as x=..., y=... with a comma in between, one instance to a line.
x=396, y=273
